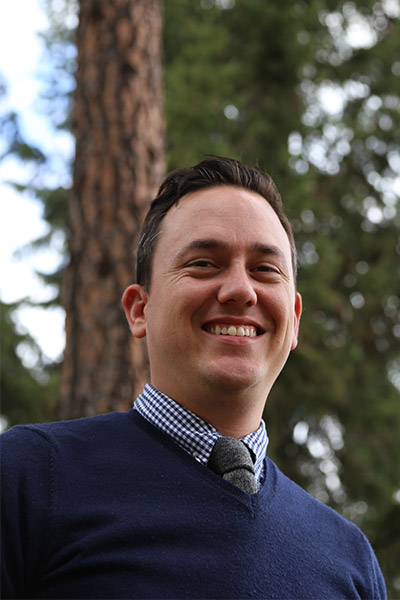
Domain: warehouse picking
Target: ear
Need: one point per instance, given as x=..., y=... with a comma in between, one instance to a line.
x=297, y=315
x=134, y=301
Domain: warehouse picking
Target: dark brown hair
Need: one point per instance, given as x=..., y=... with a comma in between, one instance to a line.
x=211, y=172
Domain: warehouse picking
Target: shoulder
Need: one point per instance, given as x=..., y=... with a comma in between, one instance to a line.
x=43, y=459
x=51, y=432
x=313, y=522
x=311, y=519
x=30, y=444
x=303, y=506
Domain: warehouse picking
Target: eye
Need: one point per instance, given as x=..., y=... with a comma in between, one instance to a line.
x=202, y=268
x=266, y=271
x=201, y=264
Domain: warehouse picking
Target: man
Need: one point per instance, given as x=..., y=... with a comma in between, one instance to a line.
x=165, y=501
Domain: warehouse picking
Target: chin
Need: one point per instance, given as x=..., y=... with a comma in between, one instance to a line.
x=232, y=382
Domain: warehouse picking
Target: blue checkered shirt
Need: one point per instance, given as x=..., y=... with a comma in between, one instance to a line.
x=190, y=432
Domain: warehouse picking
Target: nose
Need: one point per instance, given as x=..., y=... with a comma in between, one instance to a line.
x=236, y=286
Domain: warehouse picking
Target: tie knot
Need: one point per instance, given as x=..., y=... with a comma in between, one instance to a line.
x=231, y=459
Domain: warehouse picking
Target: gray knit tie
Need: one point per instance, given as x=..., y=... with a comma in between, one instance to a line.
x=231, y=459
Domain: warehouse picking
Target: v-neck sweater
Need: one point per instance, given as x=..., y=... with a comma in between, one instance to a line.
x=111, y=507
x=192, y=433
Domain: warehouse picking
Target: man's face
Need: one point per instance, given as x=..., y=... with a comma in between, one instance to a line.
x=221, y=315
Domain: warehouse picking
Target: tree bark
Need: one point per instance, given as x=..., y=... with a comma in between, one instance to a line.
x=119, y=129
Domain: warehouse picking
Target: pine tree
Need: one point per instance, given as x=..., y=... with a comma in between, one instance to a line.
x=119, y=130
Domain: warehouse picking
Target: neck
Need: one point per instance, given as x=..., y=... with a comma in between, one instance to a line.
x=231, y=413
x=236, y=430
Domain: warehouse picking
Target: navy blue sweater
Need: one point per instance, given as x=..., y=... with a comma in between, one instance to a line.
x=110, y=507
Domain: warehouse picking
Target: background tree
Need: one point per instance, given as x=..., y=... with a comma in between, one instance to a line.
x=119, y=130
x=28, y=385
x=251, y=79
x=29, y=381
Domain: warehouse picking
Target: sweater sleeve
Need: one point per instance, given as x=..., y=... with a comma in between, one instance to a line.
x=378, y=580
x=27, y=488
x=371, y=582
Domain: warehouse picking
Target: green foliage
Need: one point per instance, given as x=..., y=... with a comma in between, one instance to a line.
x=55, y=200
x=13, y=141
x=28, y=395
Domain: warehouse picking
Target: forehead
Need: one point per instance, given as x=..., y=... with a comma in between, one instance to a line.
x=237, y=216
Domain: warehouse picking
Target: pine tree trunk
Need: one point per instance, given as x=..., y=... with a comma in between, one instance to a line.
x=119, y=128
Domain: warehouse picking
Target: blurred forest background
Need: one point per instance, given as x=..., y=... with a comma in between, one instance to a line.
x=310, y=92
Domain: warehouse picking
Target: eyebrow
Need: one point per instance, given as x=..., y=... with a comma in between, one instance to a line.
x=212, y=244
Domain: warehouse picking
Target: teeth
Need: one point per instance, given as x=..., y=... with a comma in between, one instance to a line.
x=241, y=331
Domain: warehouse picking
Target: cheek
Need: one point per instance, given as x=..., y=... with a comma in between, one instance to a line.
x=166, y=318
x=190, y=298
x=279, y=307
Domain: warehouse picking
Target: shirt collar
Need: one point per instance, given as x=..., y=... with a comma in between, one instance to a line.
x=190, y=432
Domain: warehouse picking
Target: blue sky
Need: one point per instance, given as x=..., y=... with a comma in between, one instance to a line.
x=21, y=54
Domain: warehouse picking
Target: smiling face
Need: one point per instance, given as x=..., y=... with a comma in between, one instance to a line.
x=222, y=314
